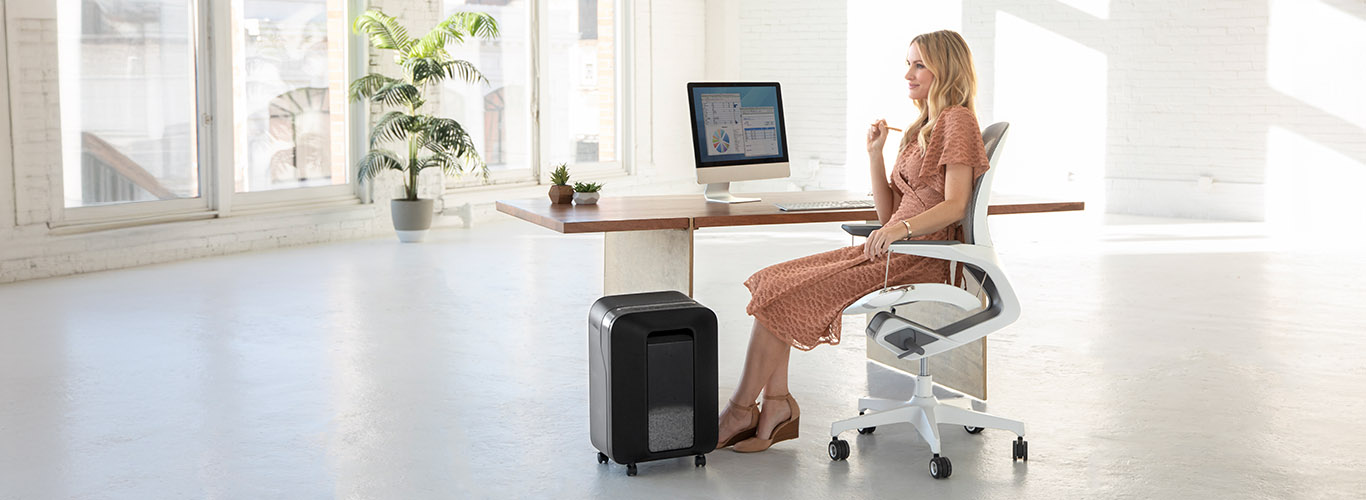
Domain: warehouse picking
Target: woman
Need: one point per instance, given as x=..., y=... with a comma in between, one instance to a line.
x=798, y=303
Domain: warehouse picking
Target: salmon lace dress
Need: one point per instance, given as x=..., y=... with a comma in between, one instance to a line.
x=801, y=300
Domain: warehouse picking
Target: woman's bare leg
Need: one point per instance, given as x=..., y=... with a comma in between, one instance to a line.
x=765, y=356
x=775, y=411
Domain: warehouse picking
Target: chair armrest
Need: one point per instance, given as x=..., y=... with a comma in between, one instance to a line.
x=956, y=251
x=860, y=229
x=921, y=292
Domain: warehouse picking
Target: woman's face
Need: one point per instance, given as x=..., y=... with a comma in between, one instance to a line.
x=918, y=77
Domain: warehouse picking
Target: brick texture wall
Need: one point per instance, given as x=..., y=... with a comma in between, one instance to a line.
x=801, y=44
x=1190, y=91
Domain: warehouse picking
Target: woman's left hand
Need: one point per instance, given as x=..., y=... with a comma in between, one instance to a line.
x=881, y=239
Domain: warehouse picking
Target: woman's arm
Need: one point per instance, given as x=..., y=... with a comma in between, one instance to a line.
x=885, y=199
x=957, y=195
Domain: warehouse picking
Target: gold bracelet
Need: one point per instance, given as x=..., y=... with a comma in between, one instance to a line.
x=908, y=229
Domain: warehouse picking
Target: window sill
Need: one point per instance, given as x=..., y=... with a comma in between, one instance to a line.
x=286, y=208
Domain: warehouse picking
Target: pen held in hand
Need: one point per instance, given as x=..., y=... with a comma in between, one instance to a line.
x=894, y=128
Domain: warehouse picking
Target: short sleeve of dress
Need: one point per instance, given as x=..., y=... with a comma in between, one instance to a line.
x=956, y=140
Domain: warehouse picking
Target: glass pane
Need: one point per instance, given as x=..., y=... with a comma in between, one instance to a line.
x=127, y=91
x=289, y=77
x=581, y=101
x=497, y=115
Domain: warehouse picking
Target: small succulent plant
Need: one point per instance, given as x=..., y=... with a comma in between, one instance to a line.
x=560, y=176
x=590, y=187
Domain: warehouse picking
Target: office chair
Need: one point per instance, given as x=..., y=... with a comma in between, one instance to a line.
x=992, y=308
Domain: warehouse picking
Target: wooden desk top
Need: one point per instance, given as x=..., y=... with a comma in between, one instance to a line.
x=639, y=213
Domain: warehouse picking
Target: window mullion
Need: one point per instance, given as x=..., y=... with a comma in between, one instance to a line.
x=215, y=100
x=539, y=84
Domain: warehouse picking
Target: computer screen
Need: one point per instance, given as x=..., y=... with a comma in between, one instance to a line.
x=737, y=124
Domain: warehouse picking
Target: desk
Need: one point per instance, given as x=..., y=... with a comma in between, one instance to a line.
x=648, y=244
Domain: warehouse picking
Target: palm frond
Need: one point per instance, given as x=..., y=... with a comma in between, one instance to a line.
x=385, y=32
x=463, y=70
x=447, y=139
x=366, y=86
x=376, y=161
x=455, y=28
x=444, y=135
x=399, y=93
x=393, y=126
x=429, y=70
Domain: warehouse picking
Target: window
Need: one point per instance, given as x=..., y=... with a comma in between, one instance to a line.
x=289, y=74
x=497, y=115
x=578, y=90
x=127, y=90
x=143, y=85
x=580, y=102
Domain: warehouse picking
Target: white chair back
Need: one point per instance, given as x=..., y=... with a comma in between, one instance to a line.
x=975, y=221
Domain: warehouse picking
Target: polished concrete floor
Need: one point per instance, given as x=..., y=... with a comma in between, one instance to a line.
x=1154, y=359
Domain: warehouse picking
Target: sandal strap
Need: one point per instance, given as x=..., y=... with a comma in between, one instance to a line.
x=742, y=408
x=780, y=396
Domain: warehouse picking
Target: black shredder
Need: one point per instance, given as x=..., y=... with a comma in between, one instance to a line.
x=652, y=378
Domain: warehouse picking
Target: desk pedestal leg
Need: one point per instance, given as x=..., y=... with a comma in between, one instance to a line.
x=647, y=261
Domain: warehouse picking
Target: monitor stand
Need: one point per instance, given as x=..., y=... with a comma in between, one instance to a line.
x=720, y=192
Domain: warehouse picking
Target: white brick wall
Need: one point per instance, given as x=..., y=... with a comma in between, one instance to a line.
x=1186, y=94
x=801, y=44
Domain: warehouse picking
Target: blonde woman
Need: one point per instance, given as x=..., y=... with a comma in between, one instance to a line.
x=798, y=303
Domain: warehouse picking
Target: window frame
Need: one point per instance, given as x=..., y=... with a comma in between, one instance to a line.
x=539, y=173
x=216, y=166
x=216, y=159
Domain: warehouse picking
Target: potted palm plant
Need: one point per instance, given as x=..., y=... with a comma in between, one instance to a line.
x=426, y=141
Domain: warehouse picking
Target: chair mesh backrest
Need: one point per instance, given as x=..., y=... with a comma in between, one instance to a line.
x=975, y=221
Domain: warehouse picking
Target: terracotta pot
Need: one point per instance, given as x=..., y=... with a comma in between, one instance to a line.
x=561, y=195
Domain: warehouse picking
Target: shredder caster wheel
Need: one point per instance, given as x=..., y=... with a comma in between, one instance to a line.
x=940, y=467
x=630, y=469
x=866, y=430
x=839, y=449
x=700, y=461
x=972, y=430
x=1019, y=450
x=602, y=457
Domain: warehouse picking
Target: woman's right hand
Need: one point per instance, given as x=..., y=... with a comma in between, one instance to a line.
x=877, y=136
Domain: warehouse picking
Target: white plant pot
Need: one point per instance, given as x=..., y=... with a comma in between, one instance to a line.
x=586, y=198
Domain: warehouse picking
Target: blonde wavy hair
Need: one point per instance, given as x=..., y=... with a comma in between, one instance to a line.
x=947, y=56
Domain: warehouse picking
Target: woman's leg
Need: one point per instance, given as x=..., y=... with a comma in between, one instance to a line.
x=775, y=411
x=765, y=356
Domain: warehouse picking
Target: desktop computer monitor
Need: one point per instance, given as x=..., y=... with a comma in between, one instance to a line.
x=737, y=135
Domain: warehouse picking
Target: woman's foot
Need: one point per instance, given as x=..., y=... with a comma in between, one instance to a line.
x=778, y=422
x=736, y=423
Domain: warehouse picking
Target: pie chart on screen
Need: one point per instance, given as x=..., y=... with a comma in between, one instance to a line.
x=720, y=141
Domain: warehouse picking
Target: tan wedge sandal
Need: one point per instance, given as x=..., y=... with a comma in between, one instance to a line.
x=747, y=432
x=784, y=431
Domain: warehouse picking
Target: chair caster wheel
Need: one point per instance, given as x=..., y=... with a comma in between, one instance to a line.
x=602, y=457
x=630, y=469
x=839, y=449
x=866, y=430
x=972, y=430
x=1019, y=450
x=699, y=461
x=940, y=467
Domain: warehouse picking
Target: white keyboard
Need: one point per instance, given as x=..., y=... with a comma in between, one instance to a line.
x=825, y=205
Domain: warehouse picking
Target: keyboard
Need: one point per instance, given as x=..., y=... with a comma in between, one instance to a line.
x=825, y=205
